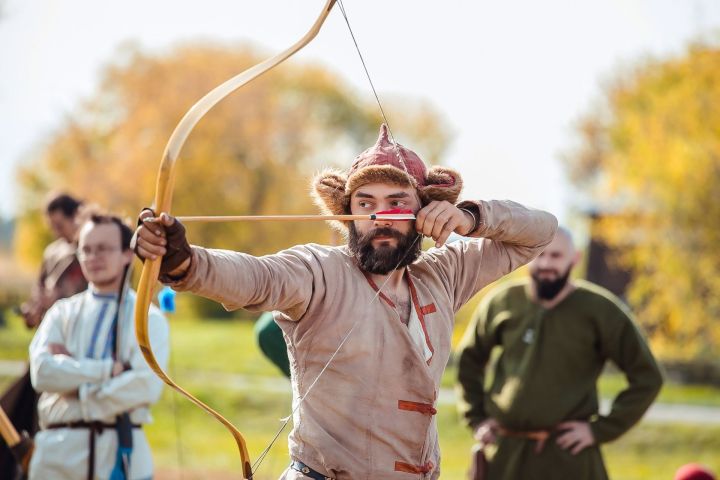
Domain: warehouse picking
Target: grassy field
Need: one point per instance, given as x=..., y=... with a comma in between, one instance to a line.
x=219, y=362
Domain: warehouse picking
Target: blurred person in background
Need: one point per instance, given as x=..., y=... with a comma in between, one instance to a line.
x=528, y=368
x=272, y=344
x=60, y=277
x=95, y=386
x=60, y=273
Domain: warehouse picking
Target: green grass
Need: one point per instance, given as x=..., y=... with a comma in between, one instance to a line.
x=202, y=349
x=14, y=339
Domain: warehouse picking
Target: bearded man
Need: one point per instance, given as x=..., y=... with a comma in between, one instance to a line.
x=367, y=324
x=541, y=345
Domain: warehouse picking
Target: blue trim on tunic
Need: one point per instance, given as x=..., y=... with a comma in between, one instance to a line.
x=96, y=330
x=107, y=352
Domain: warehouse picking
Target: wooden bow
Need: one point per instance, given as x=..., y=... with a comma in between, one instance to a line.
x=163, y=202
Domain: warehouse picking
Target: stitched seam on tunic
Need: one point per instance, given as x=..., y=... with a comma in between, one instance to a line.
x=424, y=408
x=428, y=309
x=409, y=468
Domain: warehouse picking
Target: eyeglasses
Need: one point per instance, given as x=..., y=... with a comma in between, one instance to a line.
x=99, y=251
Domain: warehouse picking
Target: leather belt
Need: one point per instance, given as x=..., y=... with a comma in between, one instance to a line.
x=307, y=471
x=540, y=436
x=93, y=428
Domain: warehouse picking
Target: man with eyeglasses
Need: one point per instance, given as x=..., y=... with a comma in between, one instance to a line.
x=95, y=386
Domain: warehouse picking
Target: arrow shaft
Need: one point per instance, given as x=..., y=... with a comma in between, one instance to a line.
x=291, y=218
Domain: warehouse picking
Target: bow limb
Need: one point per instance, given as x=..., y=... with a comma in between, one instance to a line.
x=163, y=202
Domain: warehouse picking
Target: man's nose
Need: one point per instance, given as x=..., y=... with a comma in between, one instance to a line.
x=542, y=262
x=382, y=222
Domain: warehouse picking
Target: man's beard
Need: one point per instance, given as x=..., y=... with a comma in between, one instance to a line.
x=384, y=259
x=549, y=289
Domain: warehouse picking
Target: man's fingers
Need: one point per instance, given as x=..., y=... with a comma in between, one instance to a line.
x=446, y=232
x=576, y=437
x=146, y=213
x=485, y=435
x=149, y=250
x=58, y=349
x=431, y=221
x=421, y=218
x=151, y=240
x=488, y=438
x=567, y=440
x=581, y=445
x=441, y=220
x=154, y=225
x=166, y=219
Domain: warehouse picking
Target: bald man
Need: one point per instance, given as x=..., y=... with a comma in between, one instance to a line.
x=528, y=368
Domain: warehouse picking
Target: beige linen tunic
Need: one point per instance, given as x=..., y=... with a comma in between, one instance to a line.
x=371, y=414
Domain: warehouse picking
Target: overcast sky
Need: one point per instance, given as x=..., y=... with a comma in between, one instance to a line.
x=510, y=77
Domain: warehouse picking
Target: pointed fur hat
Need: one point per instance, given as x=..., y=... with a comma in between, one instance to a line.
x=384, y=162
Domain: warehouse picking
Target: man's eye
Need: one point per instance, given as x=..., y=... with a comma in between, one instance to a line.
x=364, y=204
x=398, y=203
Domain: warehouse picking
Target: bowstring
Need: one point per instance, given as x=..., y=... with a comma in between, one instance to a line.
x=285, y=421
x=398, y=152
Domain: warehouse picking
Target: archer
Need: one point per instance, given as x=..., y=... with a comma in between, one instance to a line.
x=368, y=324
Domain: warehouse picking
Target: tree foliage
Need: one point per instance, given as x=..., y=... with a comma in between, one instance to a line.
x=650, y=159
x=254, y=153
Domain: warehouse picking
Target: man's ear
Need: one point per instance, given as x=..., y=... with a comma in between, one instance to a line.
x=577, y=256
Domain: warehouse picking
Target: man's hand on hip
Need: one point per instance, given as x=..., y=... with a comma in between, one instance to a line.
x=486, y=432
x=576, y=436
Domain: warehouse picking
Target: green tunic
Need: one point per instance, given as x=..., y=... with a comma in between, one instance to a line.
x=531, y=368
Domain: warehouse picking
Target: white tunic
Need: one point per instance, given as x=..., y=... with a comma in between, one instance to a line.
x=81, y=387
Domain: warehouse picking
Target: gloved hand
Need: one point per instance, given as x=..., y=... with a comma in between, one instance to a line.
x=162, y=236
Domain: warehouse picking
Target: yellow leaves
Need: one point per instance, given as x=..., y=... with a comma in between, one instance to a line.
x=254, y=153
x=657, y=161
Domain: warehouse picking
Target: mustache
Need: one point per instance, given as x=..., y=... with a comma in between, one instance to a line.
x=548, y=270
x=381, y=232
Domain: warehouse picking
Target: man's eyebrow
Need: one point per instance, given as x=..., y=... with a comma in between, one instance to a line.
x=392, y=195
x=363, y=195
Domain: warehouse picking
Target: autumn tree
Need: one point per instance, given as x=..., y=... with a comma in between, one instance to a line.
x=254, y=153
x=649, y=157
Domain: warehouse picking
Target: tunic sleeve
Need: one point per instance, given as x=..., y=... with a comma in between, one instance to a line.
x=508, y=236
x=61, y=373
x=473, y=355
x=624, y=345
x=283, y=281
x=136, y=387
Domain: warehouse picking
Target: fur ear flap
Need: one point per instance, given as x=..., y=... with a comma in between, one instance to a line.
x=442, y=184
x=328, y=192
